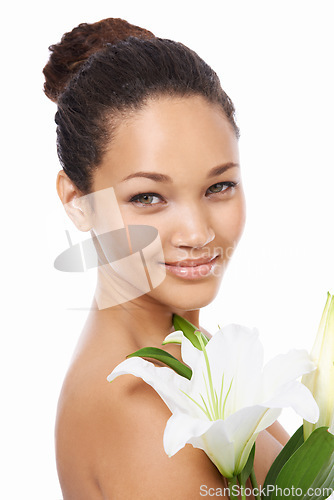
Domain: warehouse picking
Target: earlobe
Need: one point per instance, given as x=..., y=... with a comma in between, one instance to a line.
x=76, y=206
x=79, y=216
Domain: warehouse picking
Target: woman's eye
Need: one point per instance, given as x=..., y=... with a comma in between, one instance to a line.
x=146, y=199
x=220, y=187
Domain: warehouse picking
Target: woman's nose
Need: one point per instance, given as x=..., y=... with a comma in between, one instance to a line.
x=192, y=228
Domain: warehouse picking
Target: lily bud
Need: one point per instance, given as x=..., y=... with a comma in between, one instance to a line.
x=321, y=381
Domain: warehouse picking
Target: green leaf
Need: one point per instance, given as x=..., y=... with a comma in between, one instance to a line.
x=291, y=446
x=165, y=357
x=188, y=330
x=246, y=471
x=310, y=468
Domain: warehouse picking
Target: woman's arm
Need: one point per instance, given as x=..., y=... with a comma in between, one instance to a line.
x=279, y=433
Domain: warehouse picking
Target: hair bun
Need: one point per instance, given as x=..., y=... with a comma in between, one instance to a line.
x=76, y=46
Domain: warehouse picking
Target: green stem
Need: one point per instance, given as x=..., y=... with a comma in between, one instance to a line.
x=254, y=484
x=242, y=487
x=232, y=481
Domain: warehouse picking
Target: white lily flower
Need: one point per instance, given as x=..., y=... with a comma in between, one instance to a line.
x=321, y=381
x=174, y=338
x=230, y=397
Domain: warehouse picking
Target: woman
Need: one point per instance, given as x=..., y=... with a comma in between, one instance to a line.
x=149, y=148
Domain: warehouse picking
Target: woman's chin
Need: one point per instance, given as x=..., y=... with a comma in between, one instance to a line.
x=186, y=295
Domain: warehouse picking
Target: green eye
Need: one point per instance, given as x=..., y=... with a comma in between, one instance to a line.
x=146, y=199
x=216, y=188
x=220, y=187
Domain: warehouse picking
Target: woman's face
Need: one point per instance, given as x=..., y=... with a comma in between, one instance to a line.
x=174, y=165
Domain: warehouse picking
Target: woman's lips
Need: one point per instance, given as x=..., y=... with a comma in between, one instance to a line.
x=192, y=269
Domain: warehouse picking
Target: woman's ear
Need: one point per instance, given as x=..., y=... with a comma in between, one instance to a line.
x=76, y=205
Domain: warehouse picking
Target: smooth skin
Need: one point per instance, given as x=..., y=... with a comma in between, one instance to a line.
x=109, y=436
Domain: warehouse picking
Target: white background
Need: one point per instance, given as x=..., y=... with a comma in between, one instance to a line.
x=275, y=60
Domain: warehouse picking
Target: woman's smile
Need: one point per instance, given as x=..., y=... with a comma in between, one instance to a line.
x=192, y=269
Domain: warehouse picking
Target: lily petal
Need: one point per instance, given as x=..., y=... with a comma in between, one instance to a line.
x=284, y=368
x=190, y=355
x=180, y=428
x=243, y=427
x=208, y=436
x=164, y=381
x=237, y=352
x=295, y=395
x=219, y=448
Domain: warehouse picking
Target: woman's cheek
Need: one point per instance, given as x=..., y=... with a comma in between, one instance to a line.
x=229, y=225
x=235, y=217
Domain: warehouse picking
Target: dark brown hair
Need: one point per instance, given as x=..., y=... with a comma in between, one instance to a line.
x=100, y=72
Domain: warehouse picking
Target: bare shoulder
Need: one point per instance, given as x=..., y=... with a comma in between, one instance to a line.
x=109, y=440
x=132, y=462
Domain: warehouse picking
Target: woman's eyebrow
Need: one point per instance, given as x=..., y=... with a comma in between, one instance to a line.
x=221, y=169
x=155, y=176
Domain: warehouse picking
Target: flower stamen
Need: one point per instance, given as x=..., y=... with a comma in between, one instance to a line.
x=228, y=392
x=204, y=410
x=213, y=401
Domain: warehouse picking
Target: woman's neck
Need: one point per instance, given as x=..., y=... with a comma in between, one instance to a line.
x=147, y=321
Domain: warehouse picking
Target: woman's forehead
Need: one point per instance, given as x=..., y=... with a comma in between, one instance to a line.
x=170, y=135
